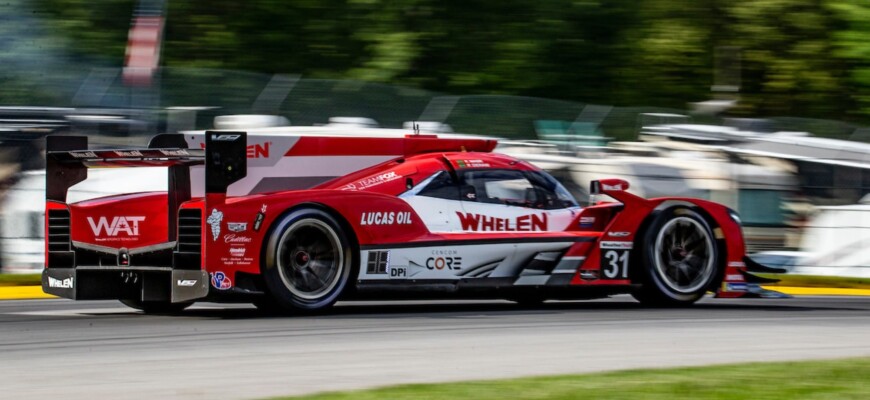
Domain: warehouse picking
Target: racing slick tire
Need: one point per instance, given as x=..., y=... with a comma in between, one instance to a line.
x=308, y=261
x=157, y=307
x=678, y=259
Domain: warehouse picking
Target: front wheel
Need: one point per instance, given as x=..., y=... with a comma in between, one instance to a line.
x=679, y=259
x=308, y=261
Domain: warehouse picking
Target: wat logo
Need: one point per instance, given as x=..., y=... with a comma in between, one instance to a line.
x=127, y=225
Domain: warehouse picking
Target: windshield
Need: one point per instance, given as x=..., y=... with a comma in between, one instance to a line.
x=530, y=189
x=563, y=198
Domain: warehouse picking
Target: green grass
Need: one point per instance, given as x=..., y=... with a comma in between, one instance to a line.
x=834, y=379
x=20, y=280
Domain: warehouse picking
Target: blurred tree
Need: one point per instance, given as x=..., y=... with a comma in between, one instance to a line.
x=314, y=37
x=35, y=59
x=789, y=66
x=806, y=58
x=670, y=52
x=851, y=44
x=94, y=31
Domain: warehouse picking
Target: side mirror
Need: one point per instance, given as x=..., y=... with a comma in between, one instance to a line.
x=607, y=185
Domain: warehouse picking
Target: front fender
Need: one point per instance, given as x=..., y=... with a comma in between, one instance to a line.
x=629, y=223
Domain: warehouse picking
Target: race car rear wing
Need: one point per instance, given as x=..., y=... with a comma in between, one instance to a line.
x=68, y=158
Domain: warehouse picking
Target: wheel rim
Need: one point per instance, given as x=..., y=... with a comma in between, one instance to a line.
x=684, y=257
x=310, y=259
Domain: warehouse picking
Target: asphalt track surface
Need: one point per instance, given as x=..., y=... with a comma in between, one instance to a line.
x=86, y=350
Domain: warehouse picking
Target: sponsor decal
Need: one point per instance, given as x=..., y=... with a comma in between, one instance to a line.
x=237, y=251
x=736, y=264
x=378, y=262
x=224, y=138
x=237, y=226
x=386, y=218
x=233, y=238
x=129, y=225
x=472, y=164
x=87, y=154
x=523, y=223
x=612, y=187
x=398, y=272
x=132, y=153
x=258, y=220
x=215, y=221
x=372, y=181
x=256, y=150
x=221, y=281
x=617, y=234
x=444, y=252
x=616, y=245
x=586, y=222
x=177, y=153
x=439, y=263
x=736, y=287
x=66, y=283
x=186, y=282
x=734, y=277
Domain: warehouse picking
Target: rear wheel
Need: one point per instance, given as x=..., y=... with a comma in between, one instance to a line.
x=308, y=261
x=679, y=259
x=157, y=307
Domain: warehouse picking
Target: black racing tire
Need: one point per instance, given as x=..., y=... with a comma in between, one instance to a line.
x=678, y=259
x=157, y=307
x=308, y=261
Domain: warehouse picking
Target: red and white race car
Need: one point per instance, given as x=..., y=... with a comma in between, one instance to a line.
x=298, y=221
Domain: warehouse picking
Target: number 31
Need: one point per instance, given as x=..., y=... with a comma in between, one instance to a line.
x=617, y=264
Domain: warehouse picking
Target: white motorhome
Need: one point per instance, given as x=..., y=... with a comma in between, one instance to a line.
x=22, y=213
x=836, y=242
